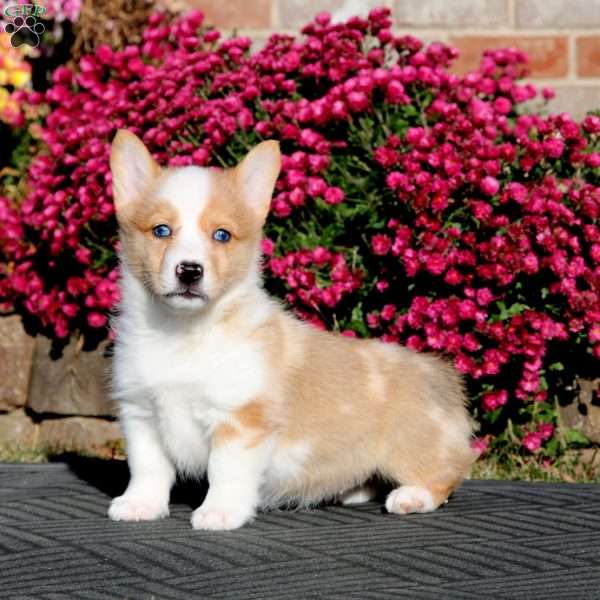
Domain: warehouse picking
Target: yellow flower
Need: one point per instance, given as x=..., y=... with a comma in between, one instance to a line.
x=4, y=95
x=19, y=78
x=3, y=77
x=10, y=62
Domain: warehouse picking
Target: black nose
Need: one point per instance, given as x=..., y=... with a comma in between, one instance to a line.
x=189, y=272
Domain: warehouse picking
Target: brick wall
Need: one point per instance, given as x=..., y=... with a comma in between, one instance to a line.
x=562, y=37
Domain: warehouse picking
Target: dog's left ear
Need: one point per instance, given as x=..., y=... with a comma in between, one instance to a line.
x=256, y=176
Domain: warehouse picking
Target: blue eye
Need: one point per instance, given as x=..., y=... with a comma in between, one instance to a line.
x=161, y=231
x=221, y=235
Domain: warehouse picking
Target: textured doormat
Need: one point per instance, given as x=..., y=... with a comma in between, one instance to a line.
x=493, y=540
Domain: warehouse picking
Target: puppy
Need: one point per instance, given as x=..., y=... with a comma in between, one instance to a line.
x=212, y=376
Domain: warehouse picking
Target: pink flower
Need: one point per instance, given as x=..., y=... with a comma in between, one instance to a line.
x=267, y=246
x=517, y=191
x=373, y=320
x=554, y=147
x=545, y=431
x=548, y=93
x=334, y=195
x=357, y=101
x=532, y=442
x=381, y=244
x=490, y=185
x=502, y=105
x=396, y=180
x=388, y=312
x=316, y=186
x=96, y=319
x=493, y=400
x=484, y=296
x=386, y=157
x=480, y=445
x=467, y=309
x=395, y=93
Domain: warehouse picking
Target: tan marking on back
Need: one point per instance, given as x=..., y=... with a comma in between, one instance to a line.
x=396, y=398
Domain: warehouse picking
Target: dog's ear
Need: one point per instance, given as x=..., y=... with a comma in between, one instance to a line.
x=256, y=176
x=132, y=167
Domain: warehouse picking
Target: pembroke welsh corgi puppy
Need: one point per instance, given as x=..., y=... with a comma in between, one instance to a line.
x=212, y=376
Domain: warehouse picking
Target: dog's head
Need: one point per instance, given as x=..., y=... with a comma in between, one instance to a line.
x=190, y=234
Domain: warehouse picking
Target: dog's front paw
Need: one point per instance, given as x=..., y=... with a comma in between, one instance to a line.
x=216, y=519
x=134, y=508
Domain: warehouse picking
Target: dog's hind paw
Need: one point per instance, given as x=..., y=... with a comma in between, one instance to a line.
x=409, y=499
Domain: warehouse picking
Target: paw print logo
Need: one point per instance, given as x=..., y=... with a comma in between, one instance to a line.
x=25, y=30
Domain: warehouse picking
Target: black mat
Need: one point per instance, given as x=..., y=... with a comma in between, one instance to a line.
x=493, y=540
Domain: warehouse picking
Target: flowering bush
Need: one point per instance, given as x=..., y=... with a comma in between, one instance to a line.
x=413, y=205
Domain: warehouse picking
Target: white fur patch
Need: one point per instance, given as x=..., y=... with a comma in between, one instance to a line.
x=187, y=188
x=358, y=495
x=409, y=499
x=188, y=191
x=189, y=380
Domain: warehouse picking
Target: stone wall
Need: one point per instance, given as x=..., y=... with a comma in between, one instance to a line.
x=53, y=405
x=562, y=37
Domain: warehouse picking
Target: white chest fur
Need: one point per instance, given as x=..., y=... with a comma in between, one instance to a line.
x=188, y=382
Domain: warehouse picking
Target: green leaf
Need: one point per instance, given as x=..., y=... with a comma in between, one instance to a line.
x=574, y=436
x=552, y=447
x=508, y=312
x=492, y=417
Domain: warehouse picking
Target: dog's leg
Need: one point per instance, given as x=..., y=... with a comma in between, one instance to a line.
x=152, y=474
x=235, y=472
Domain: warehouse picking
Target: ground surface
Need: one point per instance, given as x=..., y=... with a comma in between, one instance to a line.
x=500, y=540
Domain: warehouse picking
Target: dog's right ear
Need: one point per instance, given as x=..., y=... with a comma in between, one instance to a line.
x=132, y=167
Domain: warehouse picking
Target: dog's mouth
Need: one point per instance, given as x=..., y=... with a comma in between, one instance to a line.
x=188, y=294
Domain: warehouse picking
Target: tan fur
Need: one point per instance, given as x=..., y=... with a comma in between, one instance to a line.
x=224, y=433
x=362, y=407
x=227, y=210
x=146, y=252
x=248, y=425
x=374, y=402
